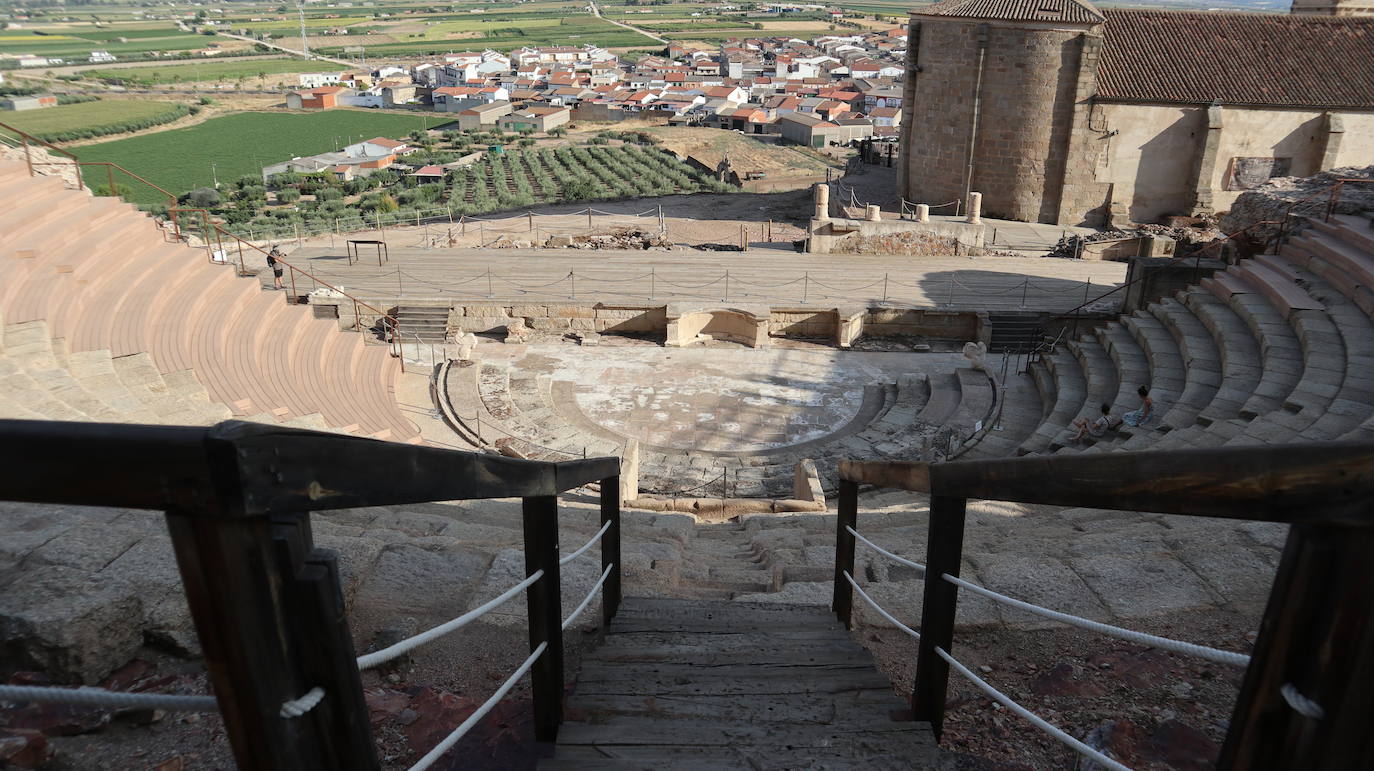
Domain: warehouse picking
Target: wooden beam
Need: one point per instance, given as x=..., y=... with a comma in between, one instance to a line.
x=1314, y=482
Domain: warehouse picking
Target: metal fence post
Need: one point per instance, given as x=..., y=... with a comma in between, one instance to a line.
x=269, y=614
x=545, y=606
x=944, y=549
x=610, y=548
x=843, y=602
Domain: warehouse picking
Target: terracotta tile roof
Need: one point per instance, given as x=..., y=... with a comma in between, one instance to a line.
x=1070, y=11
x=1237, y=58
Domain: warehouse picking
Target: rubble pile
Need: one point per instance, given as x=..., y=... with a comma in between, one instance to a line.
x=1071, y=247
x=620, y=239
x=911, y=242
x=1188, y=238
x=1271, y=201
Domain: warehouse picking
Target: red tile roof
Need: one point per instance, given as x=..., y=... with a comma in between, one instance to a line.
x=1070, y=11
x=1237, y=58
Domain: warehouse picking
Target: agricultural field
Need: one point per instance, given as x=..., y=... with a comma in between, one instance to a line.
x=203, y=71
x=91, y=119
x=500, y=34
x=241, y=144
x=527, y=177
x=77, y=41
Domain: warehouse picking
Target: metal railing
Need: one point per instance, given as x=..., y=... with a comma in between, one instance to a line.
x=1306, y=695
x=266, y=603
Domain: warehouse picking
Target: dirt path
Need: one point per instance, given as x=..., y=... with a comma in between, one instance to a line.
x=597, y=13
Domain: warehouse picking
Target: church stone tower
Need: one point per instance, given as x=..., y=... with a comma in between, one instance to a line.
x=1334, y=7
x=996, y=92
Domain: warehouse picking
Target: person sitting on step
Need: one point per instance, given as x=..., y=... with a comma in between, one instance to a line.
x=1097, y=428
x=1138, y=417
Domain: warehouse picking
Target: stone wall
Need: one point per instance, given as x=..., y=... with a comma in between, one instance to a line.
x=1030, y=78
x=798, y=322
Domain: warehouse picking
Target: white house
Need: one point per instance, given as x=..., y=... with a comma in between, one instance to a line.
x=379, y=147
x=317, y=79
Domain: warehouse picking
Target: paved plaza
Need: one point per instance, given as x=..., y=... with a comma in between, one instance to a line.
x=772, y=276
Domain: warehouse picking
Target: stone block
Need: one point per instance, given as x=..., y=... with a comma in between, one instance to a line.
x=1039, y=581
x=572, y=311
x=480, y=323
x=486, y=311
x=69, y=623
x=1146, y=584
x=550, y=324
x=621, y=313
x=530, y=311
x=584, y=325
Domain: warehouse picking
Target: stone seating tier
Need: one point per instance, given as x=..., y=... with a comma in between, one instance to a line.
x=111, y=322
x=1274, y=350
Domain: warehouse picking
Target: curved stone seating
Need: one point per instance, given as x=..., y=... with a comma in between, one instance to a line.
x=110, y=322
x=1274, y=350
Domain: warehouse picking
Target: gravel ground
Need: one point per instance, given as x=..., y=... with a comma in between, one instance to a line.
x=1176, y=708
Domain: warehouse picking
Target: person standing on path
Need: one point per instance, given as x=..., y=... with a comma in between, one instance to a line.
x=276, y=267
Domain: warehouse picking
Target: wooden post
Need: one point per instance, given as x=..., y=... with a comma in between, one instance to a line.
x=531, y=218
x=610, y=548
x=545, y=605
x=589, y=218
x=843, y=602
x=269, y=614
x=944, y=549
x=1316, y=639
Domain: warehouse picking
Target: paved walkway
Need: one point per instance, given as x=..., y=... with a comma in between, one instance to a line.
x=776, y=276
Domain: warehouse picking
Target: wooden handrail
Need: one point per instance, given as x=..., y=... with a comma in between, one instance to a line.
x=1328, y=482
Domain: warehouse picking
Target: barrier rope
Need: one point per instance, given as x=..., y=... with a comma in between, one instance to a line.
x=410, y=643
x=298, y=707
x=590, y=595
x=1164, y=643
x=589, y=544
x=100, y=697
x=875, y=547
x=1301, y=704
x=873, y=604
x=458, y=733
x=1035, y=719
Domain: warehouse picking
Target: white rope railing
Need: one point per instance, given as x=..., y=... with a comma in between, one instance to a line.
x=387, y=654
x=589, y=544
x=298, y=707
x=873, y=604
x=99, y=697
x=885, y=552
x=588, y=599
x=1035, y=719
x=461, y=730
x=1164, y=643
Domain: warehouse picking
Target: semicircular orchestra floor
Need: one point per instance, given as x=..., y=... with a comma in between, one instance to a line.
x=702, y=411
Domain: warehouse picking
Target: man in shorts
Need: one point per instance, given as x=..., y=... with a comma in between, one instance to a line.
x=276, y=266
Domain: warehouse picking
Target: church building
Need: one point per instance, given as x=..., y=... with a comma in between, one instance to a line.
x=1062, y=113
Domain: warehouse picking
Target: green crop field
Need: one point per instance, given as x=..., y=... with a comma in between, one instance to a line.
x=80, y=41
x=205, y=71
x=103, y=117
x=243, y=143
x=509, y=34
